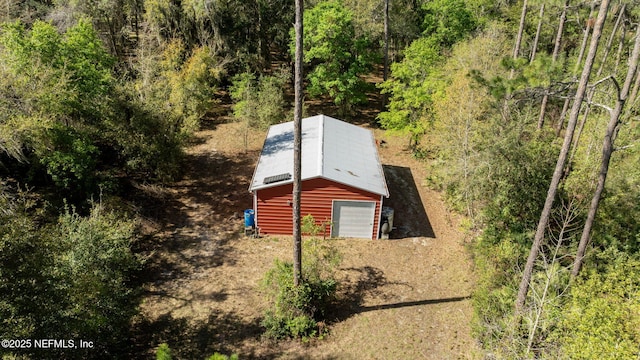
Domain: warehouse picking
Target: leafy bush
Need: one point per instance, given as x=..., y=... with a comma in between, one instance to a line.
x=259, y=101
x=338, y=56
x=67, y=280
x=601, y=320
x=295, y=310
x=70, y=159
x=164, y=353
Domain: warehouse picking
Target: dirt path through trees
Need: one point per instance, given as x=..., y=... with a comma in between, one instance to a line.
x=406, y=298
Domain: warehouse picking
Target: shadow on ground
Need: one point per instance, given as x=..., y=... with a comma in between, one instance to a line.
x=199, y=339
x=410, y=219
x=369, y=281
x=189, y=227
x=194, y=221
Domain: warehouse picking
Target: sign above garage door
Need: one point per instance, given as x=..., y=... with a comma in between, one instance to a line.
x=353, y=219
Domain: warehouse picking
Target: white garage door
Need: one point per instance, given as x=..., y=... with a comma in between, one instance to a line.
x=353, y=218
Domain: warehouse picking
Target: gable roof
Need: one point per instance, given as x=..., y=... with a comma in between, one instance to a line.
x=331, y=149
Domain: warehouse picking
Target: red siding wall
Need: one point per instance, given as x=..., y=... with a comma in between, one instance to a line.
x=274, y=205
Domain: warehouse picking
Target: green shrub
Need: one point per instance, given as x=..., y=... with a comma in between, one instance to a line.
x=70, y=159
x=601, y=319
x=163, y=352
x=295, y=310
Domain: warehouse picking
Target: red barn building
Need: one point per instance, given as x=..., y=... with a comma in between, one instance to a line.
x=343, y=182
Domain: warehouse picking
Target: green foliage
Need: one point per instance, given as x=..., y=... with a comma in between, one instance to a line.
x=163, y=352
x=602, y=317
x=177, y=85
x=70, y=158
x=337, y=56
x=218, y=356
x=291, y=314
x=417, y=79
x=27, y=294
x=447, y=21
x=517, y=182
x=295, y=310
x=77, y=55
x=95, y=264
x=411, y=88
x=244, y=32
x=260, y=102
x=66, y=279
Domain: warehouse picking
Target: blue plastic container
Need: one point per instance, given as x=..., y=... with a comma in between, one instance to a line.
x=249, y=218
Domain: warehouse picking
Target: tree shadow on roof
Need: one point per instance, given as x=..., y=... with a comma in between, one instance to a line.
x=410, y=218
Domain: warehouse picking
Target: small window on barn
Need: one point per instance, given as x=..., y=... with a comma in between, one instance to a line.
x=276, y=178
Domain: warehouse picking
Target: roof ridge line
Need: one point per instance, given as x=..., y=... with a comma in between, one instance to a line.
x=321, y=147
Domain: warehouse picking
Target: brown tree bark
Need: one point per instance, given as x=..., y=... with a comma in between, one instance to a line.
x=607, y=150
x=592, y=91
x=554, y=58
x=534, y=48
x=516, y=52
x=583, y=47
x=385, y=71
x=523, y=16
x=297, y=149
x=562, y=158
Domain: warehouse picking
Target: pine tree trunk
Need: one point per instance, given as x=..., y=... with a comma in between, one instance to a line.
x=386, y=40
x=607, y=151
x=535, y=40
x=516, y=53
x=583, y=47
x=385, y=71
x=554, y=58
x=297, y=149
x=523, y=16
x=592, y=91
x=562, y=158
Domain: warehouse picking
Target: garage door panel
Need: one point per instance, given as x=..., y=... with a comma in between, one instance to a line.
x=353, y=218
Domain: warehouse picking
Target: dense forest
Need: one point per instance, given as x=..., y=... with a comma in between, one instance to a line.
x=525, y=113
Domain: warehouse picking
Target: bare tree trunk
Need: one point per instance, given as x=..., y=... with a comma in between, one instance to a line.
x=583, y=47
x=607, y=151
x=297, y=149
x=523, y=16
x=535, y=40
x=386, y=40
x=562, y=158
x=585, y=36
x=567, y=221
x=516, y=52
x=386, y=50
x=634, y=92
x=592, y=91
x=554, y=58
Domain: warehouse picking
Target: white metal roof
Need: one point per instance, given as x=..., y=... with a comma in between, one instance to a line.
x=331, y=149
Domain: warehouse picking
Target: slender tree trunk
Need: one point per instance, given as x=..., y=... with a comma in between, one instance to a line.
x=592, y=91
x=386, y=50
x=554, y=58
x=607, y=151
x=562, y=158
x=535, y=40
x=523, y=16
x=386, y=40
x=297, y=149
x=516, y=52
x=634, y=93
x=583, y=47
x=585, y=36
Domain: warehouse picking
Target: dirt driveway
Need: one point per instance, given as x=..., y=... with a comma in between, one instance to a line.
x=408, y=297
